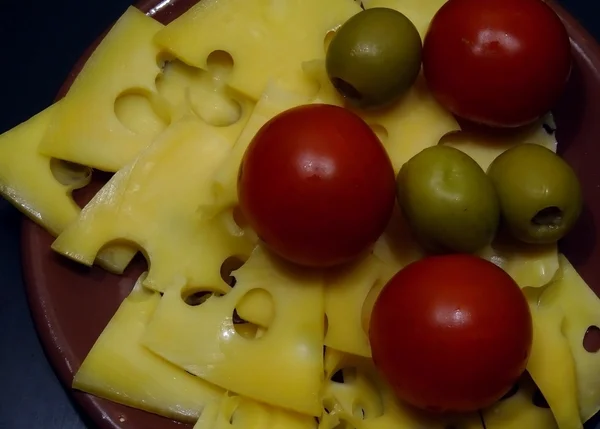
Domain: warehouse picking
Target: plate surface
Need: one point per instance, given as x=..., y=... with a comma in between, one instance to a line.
x=72, y=304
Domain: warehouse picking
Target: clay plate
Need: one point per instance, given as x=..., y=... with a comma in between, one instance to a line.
x=71, y=304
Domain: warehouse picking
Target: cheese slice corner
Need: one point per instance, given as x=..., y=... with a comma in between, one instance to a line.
x=120, y=369
x=85, y=129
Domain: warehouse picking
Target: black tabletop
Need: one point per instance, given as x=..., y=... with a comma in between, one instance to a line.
x=40, y=40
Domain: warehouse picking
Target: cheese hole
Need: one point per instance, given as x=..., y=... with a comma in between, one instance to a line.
x=358, y=412
x=229, y=265
x=74, y=176
x=327, y=40
x=591, y=339
x=328, y=404
x=381, y=132
x=512, y=392
x=139, y=112
x=197, y=296
x=249, y=331
x=219, y=64
x=256, y=307
x=345, y=375
x=538, y=399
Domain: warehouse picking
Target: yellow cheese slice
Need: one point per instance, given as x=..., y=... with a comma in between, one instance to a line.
x=266, y=38
x=528, y=265
x=239, y=412
x=280, y=94
x=283, y=367
x=153, y=204
x=519, y=411
x=581, y=309
x=118, y=78
x=407, y=127
x=28, y=180
x=119, y=368
x=364, y=401
x=551, y=363
x=346, y=290
x=419, y=12
x=484, y=147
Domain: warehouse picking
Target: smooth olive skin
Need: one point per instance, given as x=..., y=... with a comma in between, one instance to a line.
x=540, y=195
x=374, y=57
x=448, y=201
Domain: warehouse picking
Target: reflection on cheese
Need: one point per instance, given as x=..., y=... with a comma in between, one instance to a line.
x=266, y=38
x=414, y=123
x=363, y=401
x=528, y=265
x=519, y=412
x=346, y=290
x=284, y=367
x=551, y=364
x=85, y=128
x=119, y=368
x=580, y=308
x=484, y=148
x=238, y=412
x=419, y=12
x=28, y=182
x=153, y=203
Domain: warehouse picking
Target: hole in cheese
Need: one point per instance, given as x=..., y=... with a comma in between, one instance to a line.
x=591, y=339
x=202, y=92
x=256, y=307
x=249, y=331
x=380, y=131
x=327, y=40
x=538, y=399
x=136, y=110
x=219, y=64
x=74, y=176
x=194, y=296
x=229, y=265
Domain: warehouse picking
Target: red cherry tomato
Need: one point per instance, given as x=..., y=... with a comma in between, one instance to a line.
x=317, y=185
x=451, y=333
x=501, y=63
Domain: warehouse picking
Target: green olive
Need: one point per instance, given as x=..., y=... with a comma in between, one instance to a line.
x=540, y=195
x=374, y=57
x=448, y=201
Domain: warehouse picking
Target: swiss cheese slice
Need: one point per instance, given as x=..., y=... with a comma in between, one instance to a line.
x=283, y=367
x=581, y=310
x=551, y=363
x=119, y=368
x=419, y=12
x=413, y=123
x=266, y=38
x=485, y=147
x=153, y=203
x=28, y=182
x=364, y=401
x=346, y=291
x=85, y=128
x=519, y=411
x=240, y=412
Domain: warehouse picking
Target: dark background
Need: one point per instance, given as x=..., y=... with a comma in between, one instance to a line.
x=40, y=40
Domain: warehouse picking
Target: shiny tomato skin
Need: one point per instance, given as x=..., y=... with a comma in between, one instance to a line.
x=451, y=333
x=317, y=185
x=502, y=63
